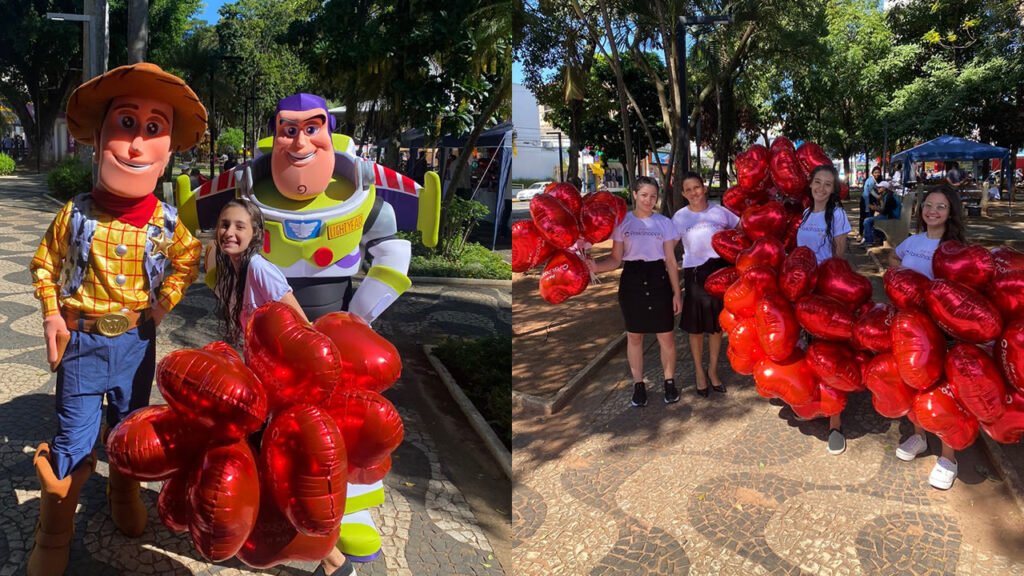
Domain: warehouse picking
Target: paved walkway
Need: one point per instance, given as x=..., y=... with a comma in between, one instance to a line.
x=447, y=506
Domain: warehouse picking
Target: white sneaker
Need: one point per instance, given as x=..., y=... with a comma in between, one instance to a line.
x=943, y=474
x=911, y=448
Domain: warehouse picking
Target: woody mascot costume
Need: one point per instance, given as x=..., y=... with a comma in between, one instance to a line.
x=112, y=264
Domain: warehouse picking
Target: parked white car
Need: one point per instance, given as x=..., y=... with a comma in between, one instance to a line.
x=532, y=190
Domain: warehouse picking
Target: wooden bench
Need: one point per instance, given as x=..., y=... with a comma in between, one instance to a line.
x=897, y=230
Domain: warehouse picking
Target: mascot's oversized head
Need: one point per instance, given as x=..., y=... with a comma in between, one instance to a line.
x=135, y=116
x=302, y=161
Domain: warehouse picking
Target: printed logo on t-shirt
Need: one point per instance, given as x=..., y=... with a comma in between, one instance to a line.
x=647, y=233
x=921, y=254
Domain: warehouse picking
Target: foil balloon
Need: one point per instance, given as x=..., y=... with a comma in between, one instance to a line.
x=295, y=362
x=1007, y=293
x=835, y=365
x=224, y=498
x=727, y=320
x=764, y=251
x=787, y=174
x=153, y=443
x=742, y=297
x=827, y=402
x=729, y=243
x=598, y=220
x=890, y=396
x=1007, y=259
x=765, y=221
x=1010, y=428
x=1011, y=354
x=838, y=280
x=305, y=469
x=781, y=144
x=370, y=425
x=810, y=156
x=905, y=287
x=962, y=312
x=529, y=248
x=937, y=411
x=607, y=198
x=565, y=276
x=224, y=348
x=825, y=318
x=738, y=199
x=776, y=326
x=752, y=167
x=744, y=351
x=792, y=380
x=554, y=221
x=799, y=274
x=368, y=360
x=971, y=265
x=719, y=281
x=274, y=540
x=370, y=474
x=567, y=195
x=173, y=505
x=872, y=330
x=792, y=230
x=976, y=383
x=214, y=391
x=919, y=348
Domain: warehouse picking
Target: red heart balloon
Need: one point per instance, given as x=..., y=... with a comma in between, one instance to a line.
x=810, y=156
x=368, y=360
x=154, y=443
x=1011, y=354
x=787, y=174
x=370, y=474
x=529, y=248
x=370, y=425
x=963, y=313
x=568, y=195
x=782, y=144
x=792, y=229
x=835, y=365
x=727, y=320
x=173, y=504
x=890, y=396
x=938, y=412
x=742, y=297
x=976, y=382
x=224, y=497
x=1010, y=428
x=554, y=221
x=919, y=348
x=752, y=167
x=223, y=348
x=305, y=468
x=872, y=330
x=825, y=318
x=765, y=221
x=744, y=350
x=565, y=276
x=597, y=221
x=1007, y=259
x=799, y=274
x=211, y=389
x=838, y=280
x=729, y=243
x=296, y=363
x=827, y=402
x=274, y=540
x=738, y=199
x=905, y=287
x=792, y=380
x=970, y=265
x=607, y=198
x=764, y=251
x=720, y=280
x=776, y=326
x=1007, y=292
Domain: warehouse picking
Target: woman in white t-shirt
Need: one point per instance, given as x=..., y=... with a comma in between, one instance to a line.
x=696, y=224
x=942, y=220
x=643, y=244
x=824, y=230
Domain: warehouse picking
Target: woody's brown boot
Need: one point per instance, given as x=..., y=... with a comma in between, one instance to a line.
x=126, y=507
x=57, y=502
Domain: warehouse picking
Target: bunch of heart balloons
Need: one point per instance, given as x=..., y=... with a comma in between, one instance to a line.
x=256, y=455
x=896, y=351
x=560, y=217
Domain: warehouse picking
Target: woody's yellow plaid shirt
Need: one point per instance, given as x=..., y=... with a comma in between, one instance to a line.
x=100, y=292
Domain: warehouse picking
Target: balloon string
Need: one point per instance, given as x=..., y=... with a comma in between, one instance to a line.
x=584, y=255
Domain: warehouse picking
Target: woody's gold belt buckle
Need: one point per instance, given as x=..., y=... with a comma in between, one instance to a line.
x=113, y=324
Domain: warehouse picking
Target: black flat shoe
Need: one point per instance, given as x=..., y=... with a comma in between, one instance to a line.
x=703, y=393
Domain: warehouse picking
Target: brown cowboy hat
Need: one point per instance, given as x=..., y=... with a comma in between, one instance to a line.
x=88, y=103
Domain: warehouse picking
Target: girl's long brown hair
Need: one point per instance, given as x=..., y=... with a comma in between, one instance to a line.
x=230, y=285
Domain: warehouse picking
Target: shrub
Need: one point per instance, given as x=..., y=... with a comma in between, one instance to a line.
x=69, y=178
x=457, y=222
x=483, y=369
x=230, y=141
x=475, y=261
x=6, y=164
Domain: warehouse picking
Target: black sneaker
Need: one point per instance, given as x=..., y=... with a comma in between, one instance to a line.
x=639, y=394
x=671, y=392
x=836, y=442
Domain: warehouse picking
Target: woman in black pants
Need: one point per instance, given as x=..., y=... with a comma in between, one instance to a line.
x=644, y=244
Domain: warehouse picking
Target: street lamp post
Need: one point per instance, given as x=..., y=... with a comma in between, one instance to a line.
x=561, y=171
x=684, y=115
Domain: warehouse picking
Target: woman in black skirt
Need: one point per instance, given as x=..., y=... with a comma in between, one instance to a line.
x=644, y=243
x=695, y=225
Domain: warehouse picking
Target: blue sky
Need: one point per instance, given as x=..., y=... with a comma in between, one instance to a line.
x=209, y=11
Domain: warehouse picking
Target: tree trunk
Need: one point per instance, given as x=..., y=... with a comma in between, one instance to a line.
x=138, y=30
x=575, y=138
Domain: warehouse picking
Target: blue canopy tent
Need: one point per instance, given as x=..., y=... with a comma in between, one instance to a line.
x=949, y=148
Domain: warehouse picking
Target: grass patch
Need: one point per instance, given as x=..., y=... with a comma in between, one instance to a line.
x=475, y=261
x=483, y=369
